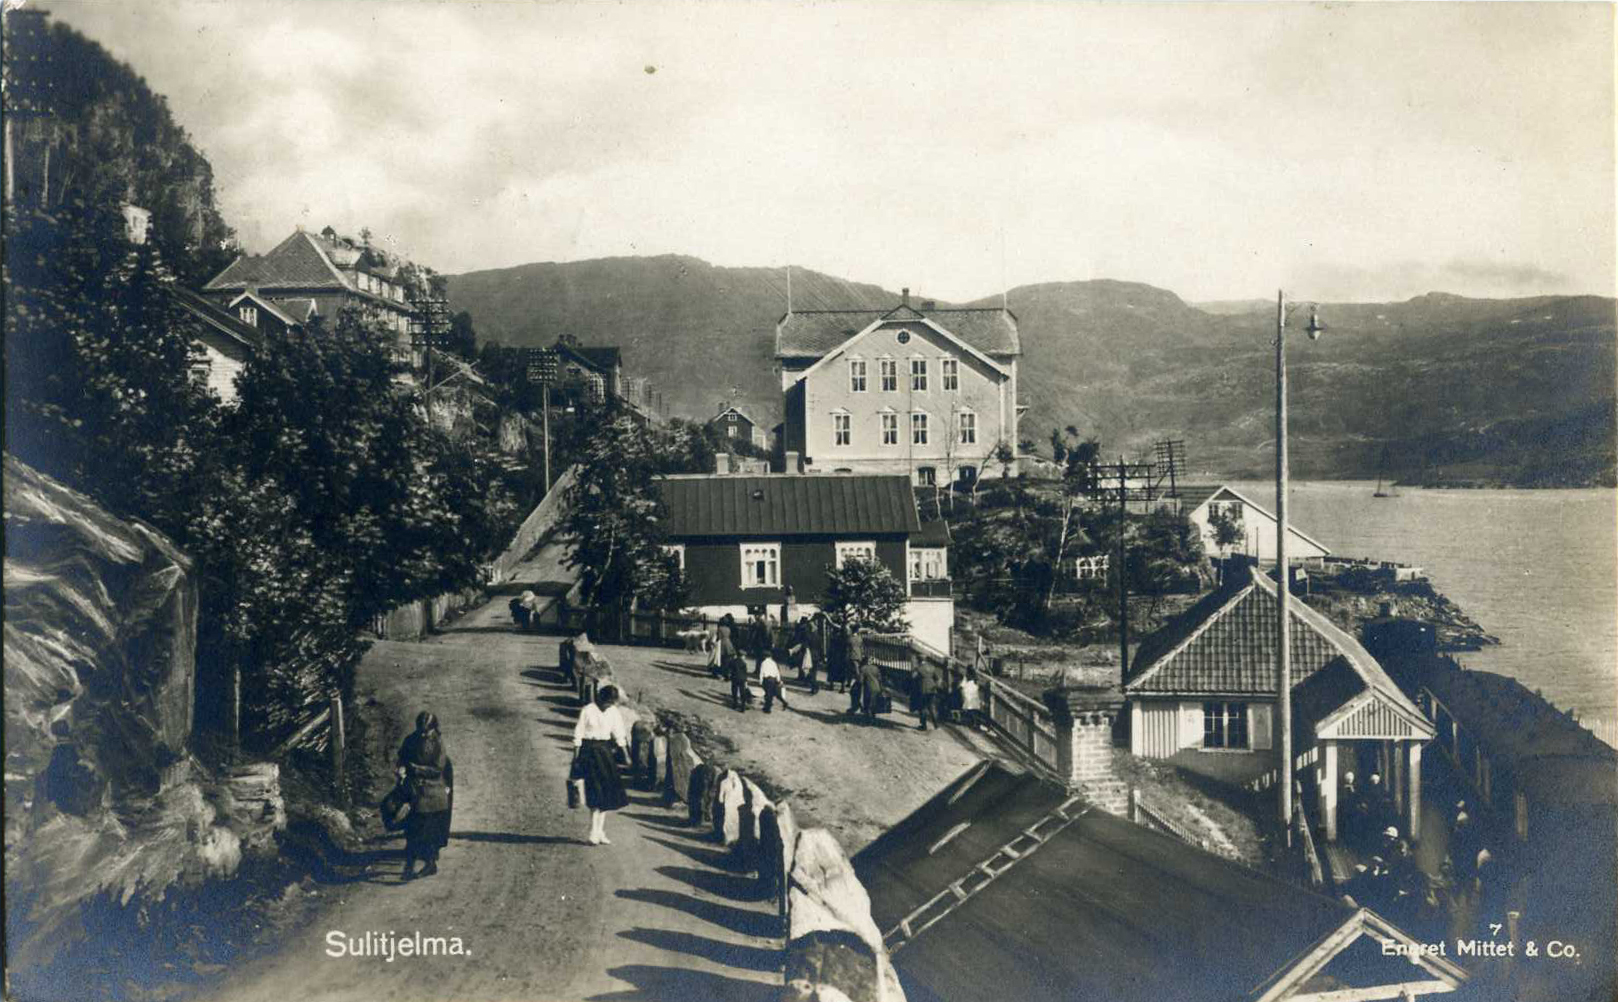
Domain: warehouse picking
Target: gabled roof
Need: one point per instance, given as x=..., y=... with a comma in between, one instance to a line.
x=602, y=360
x=732, y=409
x=1195, y=498
x=1102, y=909
x=298, y=262
x=810, y=334
x=788, y=505
x=917, y=321
x=220, y=322
x=268, y=307
x=1225, y=644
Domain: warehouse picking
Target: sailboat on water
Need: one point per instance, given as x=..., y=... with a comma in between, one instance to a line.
x=1381, y=473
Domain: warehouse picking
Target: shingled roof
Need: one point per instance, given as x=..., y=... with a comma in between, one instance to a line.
x=298, y=262
x=812, y=333
x=1225, y=644
x=774, y=506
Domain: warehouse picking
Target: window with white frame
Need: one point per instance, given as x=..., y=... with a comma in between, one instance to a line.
x=890, y=429
x=927, y=563
x=967, y=427
x=950, y=369
x=889, y=368
x=918, y=375
x=761, y=565
x=1231, y=510
x=918, y=428
x=855, y=551
x=842, y=429
x=1224, y=725
x=730, y=429
x=677, y=551
x=856, y=375
x=248, y=315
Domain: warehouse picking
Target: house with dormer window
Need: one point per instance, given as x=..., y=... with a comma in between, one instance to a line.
x=920, y=391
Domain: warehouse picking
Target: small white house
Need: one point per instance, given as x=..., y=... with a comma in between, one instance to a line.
x=1203, y=504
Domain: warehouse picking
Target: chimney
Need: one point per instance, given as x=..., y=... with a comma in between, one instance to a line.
x=1084, y=718
x=904, y=298
x=792, y=464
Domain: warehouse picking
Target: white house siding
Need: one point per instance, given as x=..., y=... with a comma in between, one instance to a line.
x=1158, y=728
x=932, y=621
x=222, y=373
x=1259, y=541
x=986, y=393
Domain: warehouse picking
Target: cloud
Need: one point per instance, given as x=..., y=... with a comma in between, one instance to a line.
x=1213, y=149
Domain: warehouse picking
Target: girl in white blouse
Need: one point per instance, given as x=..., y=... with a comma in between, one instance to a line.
x=601, y=727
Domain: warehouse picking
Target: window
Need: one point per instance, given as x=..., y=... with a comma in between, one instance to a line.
x=249, y=315
x=968, y=428
x=890, y=429
x=730, y=429
x=918, y=428
x=903, y=337
x=1224, y=725
x=676, y=550
x=731, y=418
x=926, y=476
x=927, y=564
x=951, y=369
x=855, y=551
x=842, y=429
x=856, y=375
x=201, y=369
x=918, y=375
x=890, y=375
x=1231, y=510
x=761, y=565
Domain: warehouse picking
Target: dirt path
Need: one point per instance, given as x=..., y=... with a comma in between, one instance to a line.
x=541, y=914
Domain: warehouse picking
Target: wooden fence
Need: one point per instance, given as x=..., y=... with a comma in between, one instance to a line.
x=539, y=524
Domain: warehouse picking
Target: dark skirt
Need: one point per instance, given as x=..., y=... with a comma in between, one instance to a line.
x=427, y=831
x=603, y=789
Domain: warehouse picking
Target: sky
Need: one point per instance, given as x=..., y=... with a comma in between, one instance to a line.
x=1364, y=152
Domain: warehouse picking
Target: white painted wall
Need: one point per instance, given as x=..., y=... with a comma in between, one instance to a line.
x=932, y=621
x=1259, y=527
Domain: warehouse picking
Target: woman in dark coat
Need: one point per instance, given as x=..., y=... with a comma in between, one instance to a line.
x=600, y=727
x=426, y=770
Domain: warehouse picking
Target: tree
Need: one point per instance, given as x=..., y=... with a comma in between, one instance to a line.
x=1165, y=555
x=463, y=337
x=1228, y=530
x=864, y=594
x=614, y=517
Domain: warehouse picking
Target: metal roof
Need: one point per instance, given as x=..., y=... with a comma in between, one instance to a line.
x=1104, y=909
x=813, y=333
x=789, y=505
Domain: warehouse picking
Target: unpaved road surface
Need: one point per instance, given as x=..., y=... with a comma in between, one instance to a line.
x=541, y=914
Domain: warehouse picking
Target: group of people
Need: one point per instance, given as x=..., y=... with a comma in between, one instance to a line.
x=816, y=643
x=525, y=610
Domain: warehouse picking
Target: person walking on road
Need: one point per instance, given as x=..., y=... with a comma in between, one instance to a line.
x=426, y=770
x=926, y=695
x=601, y=727
x=736, y=667
x=855, y=659
x=769, y=675
x=972, y=700
x=870, y=689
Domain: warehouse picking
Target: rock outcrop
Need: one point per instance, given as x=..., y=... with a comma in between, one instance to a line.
x=102, y=795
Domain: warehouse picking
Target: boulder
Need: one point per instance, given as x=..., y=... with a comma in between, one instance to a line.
x=749, y=848
x=821, y=870
x=680, y=760
x=699, y=795
x=727, y=813
x=640, y=753
x=786, y=837
x=824, y=954
x=655, y=757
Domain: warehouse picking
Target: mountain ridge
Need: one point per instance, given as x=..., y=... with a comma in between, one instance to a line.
x=1444, y=382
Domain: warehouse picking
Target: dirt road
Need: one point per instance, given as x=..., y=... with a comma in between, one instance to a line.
x=541, y=914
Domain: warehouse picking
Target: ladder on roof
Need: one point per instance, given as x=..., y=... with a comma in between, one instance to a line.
x=982, y=875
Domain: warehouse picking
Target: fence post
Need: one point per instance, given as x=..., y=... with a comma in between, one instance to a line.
x=337, y=742
x=1134, y=804
x=235, y=709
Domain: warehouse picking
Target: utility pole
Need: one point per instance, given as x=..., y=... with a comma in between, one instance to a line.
x=542, y=368
x=1283, y=592
x=1123, y=586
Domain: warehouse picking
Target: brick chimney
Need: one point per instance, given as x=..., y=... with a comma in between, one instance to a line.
x=904, y=296
x=1084, y=718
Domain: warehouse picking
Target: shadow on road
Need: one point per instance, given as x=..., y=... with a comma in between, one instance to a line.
x=727, y=917
x=719, y=859
x=746, y=958
x=515, y=839
x=663, y=984
x=732, y=886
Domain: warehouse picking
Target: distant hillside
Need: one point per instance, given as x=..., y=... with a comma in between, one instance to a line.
x=695, y=329
x=1450, y=388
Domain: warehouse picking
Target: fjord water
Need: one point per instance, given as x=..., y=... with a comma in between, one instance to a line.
x=1536, y=568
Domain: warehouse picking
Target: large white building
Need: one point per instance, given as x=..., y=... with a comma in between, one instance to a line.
x=928, y=393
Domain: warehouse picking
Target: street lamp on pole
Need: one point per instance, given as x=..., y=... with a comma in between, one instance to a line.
x=1283, y=591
